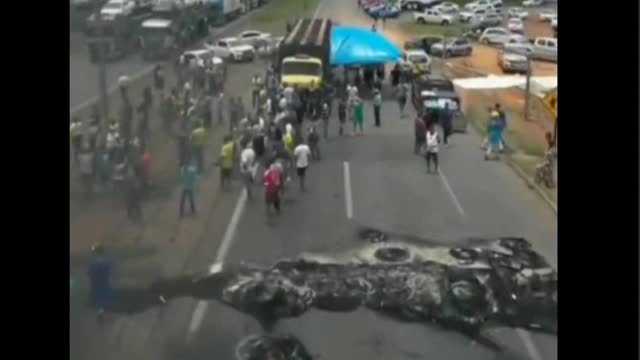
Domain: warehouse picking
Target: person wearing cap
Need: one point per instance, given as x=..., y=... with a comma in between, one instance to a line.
x=377, y=104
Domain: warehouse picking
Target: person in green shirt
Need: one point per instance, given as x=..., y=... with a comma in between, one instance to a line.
x=198, y=139
x=358, y=116
x=226, y=161
x=377, y=104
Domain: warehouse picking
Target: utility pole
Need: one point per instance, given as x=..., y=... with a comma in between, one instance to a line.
x=102, y=68
x=527, y=89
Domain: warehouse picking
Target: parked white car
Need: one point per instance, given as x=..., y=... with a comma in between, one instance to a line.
x=254, y=38
x=554, y=23
x=431, y=16
x=476, y=4
x=466, y=16
x=231, y=48
x=447, y=7
x=495, y=36
x=518, y=12
x=115, y=8
x=546, y=15
x=515, y=25
x=532, y=3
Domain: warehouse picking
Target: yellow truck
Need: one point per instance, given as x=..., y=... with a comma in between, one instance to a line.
x=304, y=53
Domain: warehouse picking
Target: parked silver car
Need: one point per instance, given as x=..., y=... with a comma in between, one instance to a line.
x=541, y=48
x=495, y=36
x=512, y=62
x=454, y=47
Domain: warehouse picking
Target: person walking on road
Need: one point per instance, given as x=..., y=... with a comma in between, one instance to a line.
x=86, y=167
x=100, y=271
x=502, y=122
x=301, y=155
x=358, y=117
x=401, y=97
x=325, y=119
x=198, y=139
x=75, y=130
x=494, y=129
x=314, y=143
x=342, y=116
x=133, y=195
x=189, y=181
x=226, y=161
x=420, y=134
x=248, y=166
x=445, y=122
x=272, y=182
x=377, y=104
x=431, y=154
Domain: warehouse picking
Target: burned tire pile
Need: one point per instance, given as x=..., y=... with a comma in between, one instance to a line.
x=502, y=282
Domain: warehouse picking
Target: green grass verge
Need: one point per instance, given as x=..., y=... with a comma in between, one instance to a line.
x=414, y=29
x=274, y=18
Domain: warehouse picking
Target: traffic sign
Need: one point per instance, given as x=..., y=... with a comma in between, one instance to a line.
x=551, y=102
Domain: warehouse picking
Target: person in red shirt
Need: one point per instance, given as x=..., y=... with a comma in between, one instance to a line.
x=272, y=183
x=420, y=133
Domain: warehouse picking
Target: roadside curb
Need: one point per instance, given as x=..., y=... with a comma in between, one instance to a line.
x=531, y=184
x=523, y=175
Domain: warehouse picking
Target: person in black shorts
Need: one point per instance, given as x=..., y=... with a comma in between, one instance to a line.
x=342, y=115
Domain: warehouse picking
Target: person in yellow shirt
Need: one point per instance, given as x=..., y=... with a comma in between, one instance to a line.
x=288, y=141
x=226, y=160
x=198, y=139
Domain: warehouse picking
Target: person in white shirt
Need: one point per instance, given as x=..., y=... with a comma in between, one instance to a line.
x=283, y=104
x=302, y=153
x=432, y=148
x=248, y=166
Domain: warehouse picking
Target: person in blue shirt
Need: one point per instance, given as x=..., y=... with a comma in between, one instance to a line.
x=189, y=180
x=502, y=125
x=100, y=270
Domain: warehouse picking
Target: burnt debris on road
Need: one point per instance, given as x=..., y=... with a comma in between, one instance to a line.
x=488, y=282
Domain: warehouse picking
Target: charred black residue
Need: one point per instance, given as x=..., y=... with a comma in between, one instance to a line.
x=372, y=235
x=504, y=282
x=271, y=346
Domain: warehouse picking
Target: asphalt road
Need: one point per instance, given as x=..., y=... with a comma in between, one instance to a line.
x=388, y=188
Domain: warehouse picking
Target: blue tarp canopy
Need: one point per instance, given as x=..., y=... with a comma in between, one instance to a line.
x=358, y=46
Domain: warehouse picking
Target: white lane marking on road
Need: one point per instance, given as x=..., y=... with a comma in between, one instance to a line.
x=348, y=199
x=201, y=308
x=534, y=354
x=451, y=193
x=227, y=239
